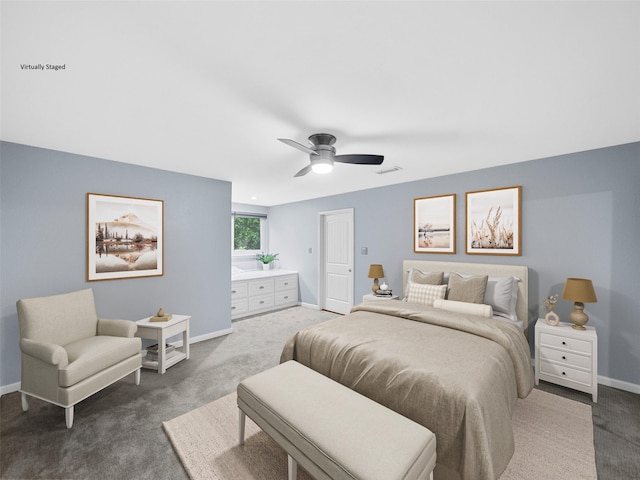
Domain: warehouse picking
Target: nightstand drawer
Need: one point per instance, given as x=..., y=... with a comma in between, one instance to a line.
x=565, y=358
x=560, y=371
x=576, y=345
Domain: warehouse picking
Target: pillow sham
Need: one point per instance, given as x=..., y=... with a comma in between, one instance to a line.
x=424, y=278
x=502, y=294
x=464, y=307
x=425, y=293
x=470, y=290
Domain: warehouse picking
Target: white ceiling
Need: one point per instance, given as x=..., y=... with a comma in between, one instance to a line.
x=205, y=88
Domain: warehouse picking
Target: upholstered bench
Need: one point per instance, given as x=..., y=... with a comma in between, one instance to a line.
x=332, y=431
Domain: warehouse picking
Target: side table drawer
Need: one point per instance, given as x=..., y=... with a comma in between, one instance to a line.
x=566, y=358
x=560, y=371
x=263, y=301
x=583, y=346
x=288, y=296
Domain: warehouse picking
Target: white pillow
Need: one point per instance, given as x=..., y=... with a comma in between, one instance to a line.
x=425, y=293
x=464, y=307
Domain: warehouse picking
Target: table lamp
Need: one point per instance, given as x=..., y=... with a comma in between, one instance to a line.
x=579, y=290
x=375, y=272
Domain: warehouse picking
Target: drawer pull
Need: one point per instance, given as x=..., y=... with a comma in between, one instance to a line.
x=233, y=308
x=563, y=373
x=286, y=296
x=564, y=343
x=261, y=287
x=261, y=302
x=233, y=291
x=286, y=283
x=563, y=357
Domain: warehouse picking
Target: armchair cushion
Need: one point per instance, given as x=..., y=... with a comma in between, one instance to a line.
x=117, y=328
x=94, y=354
x=47, y=352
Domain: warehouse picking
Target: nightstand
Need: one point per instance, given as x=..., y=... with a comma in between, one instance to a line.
x=567, y=357
x=374, y=298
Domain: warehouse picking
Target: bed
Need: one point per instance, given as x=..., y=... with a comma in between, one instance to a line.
x=458, y=374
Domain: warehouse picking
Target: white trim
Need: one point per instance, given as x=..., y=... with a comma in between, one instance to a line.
x=619, y=384
x=209, y=336
x=310, y=305
x=12, y=387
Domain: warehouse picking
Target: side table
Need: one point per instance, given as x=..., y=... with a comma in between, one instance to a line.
x=160, y=332
x=567, y=357
x=370, y=297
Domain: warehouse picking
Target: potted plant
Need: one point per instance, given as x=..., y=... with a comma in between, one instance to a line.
x=266, y=259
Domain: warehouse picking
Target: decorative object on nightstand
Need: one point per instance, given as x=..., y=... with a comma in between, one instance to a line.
x=550, y=303
x=580, y=290
x=375, y=272
x=161, y=317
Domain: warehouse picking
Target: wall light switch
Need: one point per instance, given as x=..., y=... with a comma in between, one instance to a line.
x=310, y=250
x=364, y=251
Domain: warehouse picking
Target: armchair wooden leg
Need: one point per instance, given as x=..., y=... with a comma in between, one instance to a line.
x=68, y=415
x=292, y=468
x=241, y=427
x=25, y=404
x=136, y=376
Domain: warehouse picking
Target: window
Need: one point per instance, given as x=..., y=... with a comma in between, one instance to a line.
x=249, y=235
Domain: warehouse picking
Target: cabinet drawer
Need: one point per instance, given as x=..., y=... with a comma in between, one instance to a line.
x=565, y=358
x=562, y=371
x=238, y=290
x=260, y=302
x=288, y=296
x=557, y=341
x=260, y=287
x=238, y=306
x=287, y=282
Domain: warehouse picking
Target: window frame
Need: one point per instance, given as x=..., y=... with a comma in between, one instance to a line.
x=263, y=234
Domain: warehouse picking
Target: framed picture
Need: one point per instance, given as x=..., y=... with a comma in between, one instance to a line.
x=125, y=237
x=494, y=221
x=434, y=224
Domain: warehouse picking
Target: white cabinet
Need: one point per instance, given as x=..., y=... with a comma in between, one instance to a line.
x=568, y=357
x=263, y=292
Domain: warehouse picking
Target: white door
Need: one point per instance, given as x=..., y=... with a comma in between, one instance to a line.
x=337, y=261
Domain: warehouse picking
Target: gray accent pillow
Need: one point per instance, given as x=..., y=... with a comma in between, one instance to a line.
x=469, y=290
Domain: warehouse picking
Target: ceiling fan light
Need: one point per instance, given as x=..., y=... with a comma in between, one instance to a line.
x=322, y=167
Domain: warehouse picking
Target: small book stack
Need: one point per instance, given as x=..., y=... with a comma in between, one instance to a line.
x=152, y=351
x=384, y=293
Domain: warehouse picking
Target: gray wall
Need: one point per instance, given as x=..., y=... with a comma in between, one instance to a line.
x=43, y=241
x=581, y=218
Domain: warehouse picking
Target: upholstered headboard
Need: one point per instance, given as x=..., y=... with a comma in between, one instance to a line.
x=492, y=269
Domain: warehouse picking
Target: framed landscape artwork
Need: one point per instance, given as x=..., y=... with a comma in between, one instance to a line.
x=493, y=220
x=434, y=224
x=125, y=237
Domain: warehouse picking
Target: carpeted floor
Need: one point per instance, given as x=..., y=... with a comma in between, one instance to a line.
x=117, y=433
x=206, y=440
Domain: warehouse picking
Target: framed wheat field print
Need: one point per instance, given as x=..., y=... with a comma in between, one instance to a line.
x=125, y=237
x=494, y=222
x=434, y=224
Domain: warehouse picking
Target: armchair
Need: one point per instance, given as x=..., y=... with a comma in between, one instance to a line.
x=68, y=353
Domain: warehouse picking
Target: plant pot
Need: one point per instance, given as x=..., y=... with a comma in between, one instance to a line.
x=266, y=266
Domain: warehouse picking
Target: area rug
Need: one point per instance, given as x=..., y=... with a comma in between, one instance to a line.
x=553, y=436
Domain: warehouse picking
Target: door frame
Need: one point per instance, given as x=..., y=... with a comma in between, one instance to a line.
x=322, y=265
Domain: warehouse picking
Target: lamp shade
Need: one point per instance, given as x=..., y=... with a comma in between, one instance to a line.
x=579, y=290
x=375, y=271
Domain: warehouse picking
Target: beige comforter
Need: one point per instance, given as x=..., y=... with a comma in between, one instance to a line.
x=458, y=375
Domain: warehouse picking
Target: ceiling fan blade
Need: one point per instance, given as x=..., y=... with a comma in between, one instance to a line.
x=299, y=146
x=360, y=159
x=304, y=171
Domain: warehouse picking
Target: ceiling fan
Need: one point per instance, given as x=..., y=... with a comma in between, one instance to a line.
x=322, y=154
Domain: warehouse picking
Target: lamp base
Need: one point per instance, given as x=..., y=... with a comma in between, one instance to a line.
x=578, y=317
x=375, y=286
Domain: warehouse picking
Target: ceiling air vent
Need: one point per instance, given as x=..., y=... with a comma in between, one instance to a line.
x=388, y=170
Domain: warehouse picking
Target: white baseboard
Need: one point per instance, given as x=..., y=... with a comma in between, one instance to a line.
x=12, y=387
x=310, y=305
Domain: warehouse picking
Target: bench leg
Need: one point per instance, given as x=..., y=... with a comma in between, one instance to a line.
x=241, y=427
x=293, y=467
